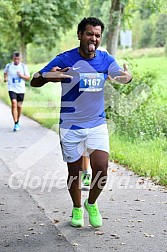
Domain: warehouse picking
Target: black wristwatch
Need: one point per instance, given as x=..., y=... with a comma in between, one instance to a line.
x=129, y=81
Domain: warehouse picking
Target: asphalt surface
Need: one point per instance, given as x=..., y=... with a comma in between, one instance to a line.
x=35, y=206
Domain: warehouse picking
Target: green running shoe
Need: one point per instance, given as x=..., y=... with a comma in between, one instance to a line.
x=77, y=219
x=95, y=218
x=86, y=179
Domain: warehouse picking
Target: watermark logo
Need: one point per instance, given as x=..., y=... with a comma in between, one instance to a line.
x=123, y=105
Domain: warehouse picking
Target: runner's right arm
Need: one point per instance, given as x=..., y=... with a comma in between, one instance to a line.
x=55, y=75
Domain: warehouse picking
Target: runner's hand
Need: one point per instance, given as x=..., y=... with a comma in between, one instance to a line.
x=57, y=74
x=125, y=76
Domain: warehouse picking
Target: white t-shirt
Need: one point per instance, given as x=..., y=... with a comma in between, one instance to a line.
x=15, y=83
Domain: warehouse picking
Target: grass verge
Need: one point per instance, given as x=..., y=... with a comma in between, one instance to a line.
x=146, y=158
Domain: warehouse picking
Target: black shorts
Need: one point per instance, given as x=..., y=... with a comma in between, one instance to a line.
x=18, y=97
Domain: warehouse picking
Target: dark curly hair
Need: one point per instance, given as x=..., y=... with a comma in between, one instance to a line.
x=89, y=21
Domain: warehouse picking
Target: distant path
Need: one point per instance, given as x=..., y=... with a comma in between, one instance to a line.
x=134, y=210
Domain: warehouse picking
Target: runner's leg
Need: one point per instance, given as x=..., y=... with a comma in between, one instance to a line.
x=14, y=110
x=85, y=164
x=19, y=110
x=99, y=165
x=74, y=181
x=20, y=98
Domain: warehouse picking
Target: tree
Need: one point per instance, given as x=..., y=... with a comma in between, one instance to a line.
x=38, y=21
x=8, y=42
x=121, y=11
x=116, y=11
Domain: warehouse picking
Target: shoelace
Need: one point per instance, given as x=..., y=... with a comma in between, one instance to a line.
x=77, y=213
x=94, y=210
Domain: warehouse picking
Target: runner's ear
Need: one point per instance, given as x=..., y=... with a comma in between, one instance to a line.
x=79, y=35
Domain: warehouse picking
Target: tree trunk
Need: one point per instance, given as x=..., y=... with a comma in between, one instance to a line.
x=23, y=45
x=114, y=26
x=23, y=50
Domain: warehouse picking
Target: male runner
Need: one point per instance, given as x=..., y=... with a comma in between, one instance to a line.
x=83, y=127
x=16, y=73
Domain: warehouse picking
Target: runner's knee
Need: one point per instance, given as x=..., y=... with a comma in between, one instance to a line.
x=14, y=103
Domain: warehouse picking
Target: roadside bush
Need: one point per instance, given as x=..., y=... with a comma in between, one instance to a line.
x=39, y=54
x=134, y=110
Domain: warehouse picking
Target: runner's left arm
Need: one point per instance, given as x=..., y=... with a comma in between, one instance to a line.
x=125, y=76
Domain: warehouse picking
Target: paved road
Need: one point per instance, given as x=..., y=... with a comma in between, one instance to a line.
x=35, y=206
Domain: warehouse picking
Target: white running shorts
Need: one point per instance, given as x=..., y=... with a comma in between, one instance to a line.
x=76, y=143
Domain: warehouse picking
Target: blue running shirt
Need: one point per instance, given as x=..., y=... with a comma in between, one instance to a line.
x=82, y=98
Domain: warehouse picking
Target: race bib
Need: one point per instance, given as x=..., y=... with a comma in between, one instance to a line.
x=91, y=82
x=16, y=80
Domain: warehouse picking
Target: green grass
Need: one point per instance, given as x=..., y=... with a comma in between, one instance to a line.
x=142, y=53
x=157, y=64
x=146, y=158
x=42, y=104
x=149, y=157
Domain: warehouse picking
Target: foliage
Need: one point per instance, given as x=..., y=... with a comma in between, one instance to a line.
x=8, y=38
x=109, y=16
x=37, y=21
x=5, y=54
x=39, y=54
x=44, y=24
x=147, y=7
x=145, y=13
x=40, y=19
x=146, y=35
x=95, y=7
x=160, y=35
x=147, y=121
x=150, y=32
